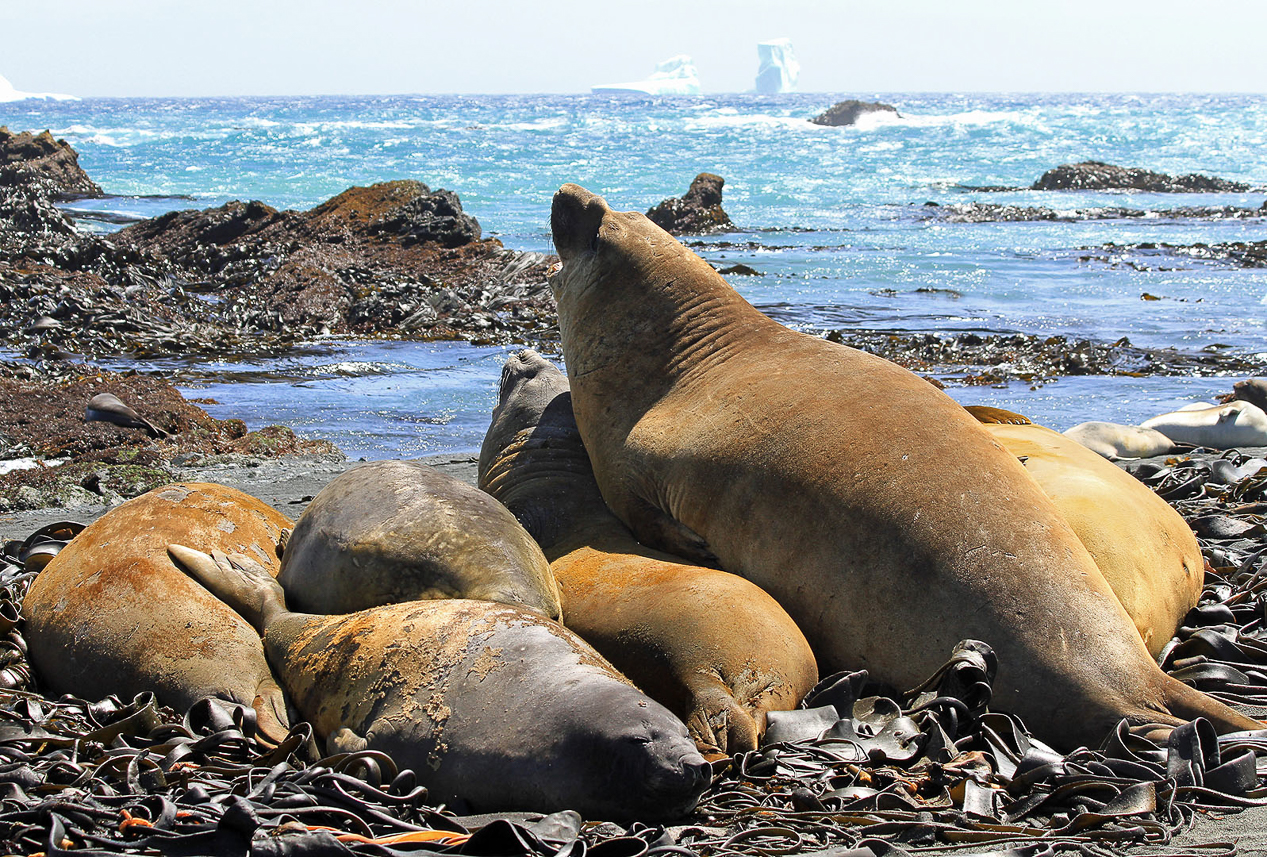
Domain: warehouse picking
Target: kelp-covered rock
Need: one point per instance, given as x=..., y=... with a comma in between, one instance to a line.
x=1097, y=175
x=698, y=212
x=40, y=163
x=848, y=112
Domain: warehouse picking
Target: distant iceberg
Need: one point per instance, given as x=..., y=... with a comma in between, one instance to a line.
x=779, y=69
x=8, y=93
x=674, y=76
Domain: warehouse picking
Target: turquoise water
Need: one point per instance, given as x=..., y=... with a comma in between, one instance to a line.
x=833, y=218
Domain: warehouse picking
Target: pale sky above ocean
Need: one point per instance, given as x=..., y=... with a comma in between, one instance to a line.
x=301, y=47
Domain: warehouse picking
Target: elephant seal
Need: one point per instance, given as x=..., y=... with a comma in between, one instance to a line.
x=1145, y=550
x=109, y=408
x=1252, y=390
x=391, y=531
x=111, y=614
x=879, y=513
x=486, y=702
x=1114, y=440
x=1238, y=423
x=710, y=646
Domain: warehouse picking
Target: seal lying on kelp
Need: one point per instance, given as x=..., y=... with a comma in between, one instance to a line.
x=486, y=702
x=390, y=531
x=1147, y=553
x=869, y=504
x=711, y=646
x=111, y=614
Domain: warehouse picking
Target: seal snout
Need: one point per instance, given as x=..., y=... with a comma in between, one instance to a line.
x=575, y=217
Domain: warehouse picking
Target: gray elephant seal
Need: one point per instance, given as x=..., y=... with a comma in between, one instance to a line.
x=390, y=531
x=111, y=614
x=1238, y=423
x=710, y=646
x=109, y=408
x=880, y=514
x=487, y=703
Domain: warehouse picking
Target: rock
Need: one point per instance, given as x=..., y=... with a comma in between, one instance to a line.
x=48, y=166
x=848, y=112
x=1096, y=175
x=408, y=209
x=699, y=212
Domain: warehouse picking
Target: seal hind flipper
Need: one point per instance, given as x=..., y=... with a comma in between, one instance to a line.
x=238, y=581
x=997, y=416
x=271, y=717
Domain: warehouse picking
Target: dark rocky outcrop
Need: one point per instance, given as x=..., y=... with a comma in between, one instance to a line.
x=1162, y=256
x=850, y=111
x=982, y=212
x=42, y=164
x=1096, y=175
x=699, y=212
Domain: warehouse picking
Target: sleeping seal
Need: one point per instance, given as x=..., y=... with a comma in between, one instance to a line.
x=882, y=516
x=391, y=531
x=111, y=614
x=1238, y=423
x=486, y=702
x=709, y=645
x=1114, y=440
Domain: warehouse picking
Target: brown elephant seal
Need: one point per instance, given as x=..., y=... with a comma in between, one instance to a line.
x=107, y=407
x=1114, y=440
x=710, y=646
x=1252, y=390
x=1145, y=550
x=391, y=531
x=486, y=702
x=1238, y=423
x=111, y=613
x=879, y=513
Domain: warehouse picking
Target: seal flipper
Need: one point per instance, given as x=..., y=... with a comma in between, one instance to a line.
x=988, y=415
x=271, y=718
x=344, y=740
x=238, y=581
x=656, y=528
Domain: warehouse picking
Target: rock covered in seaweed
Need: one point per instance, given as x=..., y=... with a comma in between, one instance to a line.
x=848, y=112
x=43, y=164
x=1097, y=175
x=698, y=212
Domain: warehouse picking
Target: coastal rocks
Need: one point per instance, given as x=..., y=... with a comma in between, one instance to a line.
x=981, y=212
x=1097, y=175
x=408, y=210
x=40, y=163
x=699, y=212
x=850, y=111
x=1161, y=256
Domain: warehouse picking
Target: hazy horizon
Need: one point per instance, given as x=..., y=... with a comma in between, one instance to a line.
x=153, y=48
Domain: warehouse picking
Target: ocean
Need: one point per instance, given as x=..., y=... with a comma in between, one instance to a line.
x=835, y=221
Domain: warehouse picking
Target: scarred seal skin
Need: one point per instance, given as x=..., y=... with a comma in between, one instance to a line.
x=111, y=614
x=488, y=703
x=391, y=531
x=1147, y=553
x=882, y=516
x=711, y=646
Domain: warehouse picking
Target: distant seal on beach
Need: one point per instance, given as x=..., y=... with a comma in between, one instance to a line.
x=1114, y=440
x=487, y=703
x=109, y=408
x=391, y=531
x=709, y=645
x=1145, y=550
x=1237, y=423
x=111, y=614
x=880, y=514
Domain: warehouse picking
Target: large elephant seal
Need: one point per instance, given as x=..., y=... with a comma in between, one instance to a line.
x=1144, y=549
x=391, y=531
x=1114, y=440
x=1238, y=423
x=111, y=613
x=486, y=702
x=881, y=515
x=712, y=647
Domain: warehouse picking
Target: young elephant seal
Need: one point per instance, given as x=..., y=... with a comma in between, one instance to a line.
x=709, y=645
x=1114, y=440
x=1238, y=423
x=487, y=703
x=392, y=531
x=111, y=614
x=884, y=518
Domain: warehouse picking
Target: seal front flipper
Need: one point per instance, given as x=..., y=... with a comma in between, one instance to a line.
x=344, y=740
x=656, y=528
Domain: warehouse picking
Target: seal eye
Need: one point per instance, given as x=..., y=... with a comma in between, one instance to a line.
x=594, y=242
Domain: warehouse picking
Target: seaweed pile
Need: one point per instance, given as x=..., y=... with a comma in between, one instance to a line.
x=854, y=770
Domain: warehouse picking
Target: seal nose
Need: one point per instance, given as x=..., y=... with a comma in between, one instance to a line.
x=575, y=217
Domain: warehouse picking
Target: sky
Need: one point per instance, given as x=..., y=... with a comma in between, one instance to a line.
x=370, y=47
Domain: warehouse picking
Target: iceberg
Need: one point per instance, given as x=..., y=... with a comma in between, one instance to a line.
x=8, y=93
x=674, y=76
x=779, y=69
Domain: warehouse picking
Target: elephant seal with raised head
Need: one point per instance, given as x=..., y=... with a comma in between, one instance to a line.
x=711, y=646
x=881, y=515
x=111, y=613
x=486, y=702
x=391, y=531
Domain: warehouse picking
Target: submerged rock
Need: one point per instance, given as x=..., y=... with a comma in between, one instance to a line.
x=1097, y=175
x=48, y=166
x=850, y=111
x=699, y=212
